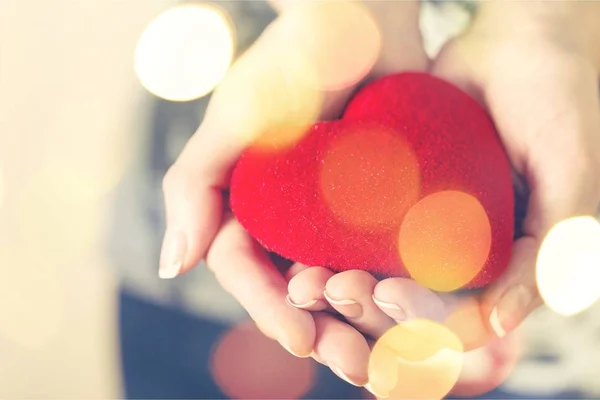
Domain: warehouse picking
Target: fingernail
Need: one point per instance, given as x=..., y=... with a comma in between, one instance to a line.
x=336, y=370
x=303, y=305
x=289, y=350
x=391, y=309
x=510, y=309
x=349, y=308
x=172, y=255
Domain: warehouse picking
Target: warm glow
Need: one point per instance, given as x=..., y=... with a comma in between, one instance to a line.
x=53, y=226
x=464, y=320
x=418, y=359
x=55, y=212
x=368, y=185
x=272, y=95
x=445, y=240
x=248, y=365
x=32, y=298
x=341, y=38
x=568, y=266
x=184, y=53
x=1, y=187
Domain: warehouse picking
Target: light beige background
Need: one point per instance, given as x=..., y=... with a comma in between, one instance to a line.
x=69, y=115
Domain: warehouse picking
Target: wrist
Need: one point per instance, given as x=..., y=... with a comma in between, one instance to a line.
x=567, y=25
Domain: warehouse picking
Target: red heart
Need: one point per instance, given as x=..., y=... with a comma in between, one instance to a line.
x=400, y=186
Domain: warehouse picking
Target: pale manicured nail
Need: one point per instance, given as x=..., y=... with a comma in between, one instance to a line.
x=172, y=255
x=303, y=305
x=348, y=308
x=338, y=302
x=336, y=370
x=510, y=310
x=391, y=309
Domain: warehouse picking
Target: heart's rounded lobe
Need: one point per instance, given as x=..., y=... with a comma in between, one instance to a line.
x=339, y=197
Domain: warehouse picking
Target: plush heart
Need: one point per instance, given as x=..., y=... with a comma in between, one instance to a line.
x=413, y=181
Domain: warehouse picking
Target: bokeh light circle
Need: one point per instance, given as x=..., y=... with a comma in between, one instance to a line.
x=418, y=359
x=341, y=37
x=568, y=265
x=445, y=240
x=248, y=365
x=184, y=52
x=368, y=185
x=272, y=95
x=464, y=320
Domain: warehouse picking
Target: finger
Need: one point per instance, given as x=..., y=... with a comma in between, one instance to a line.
x=342, y=348
x=405, y=299
x=245, y=271
x=306, y=289
x=514, y=296
x=351, y=294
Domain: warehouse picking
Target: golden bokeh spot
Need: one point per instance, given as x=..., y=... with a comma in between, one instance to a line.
x=369, y=177
x=341, y=38
x=568, y=265
x=418, y=359
x=248, y=365
x=445, y=240
x=270, y=96
x=184, y=52
x=465, y=321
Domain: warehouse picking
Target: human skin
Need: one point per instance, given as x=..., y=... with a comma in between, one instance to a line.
x=537, y=79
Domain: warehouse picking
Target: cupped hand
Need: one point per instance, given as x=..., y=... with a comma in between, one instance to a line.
x=199, y=225
x=539, y=82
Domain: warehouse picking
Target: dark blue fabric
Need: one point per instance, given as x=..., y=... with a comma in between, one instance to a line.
x=165, y=355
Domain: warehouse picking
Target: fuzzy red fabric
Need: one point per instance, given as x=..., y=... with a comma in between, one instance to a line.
x=338, y=197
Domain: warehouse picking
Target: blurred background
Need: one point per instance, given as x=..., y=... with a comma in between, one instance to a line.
x=87, y=131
